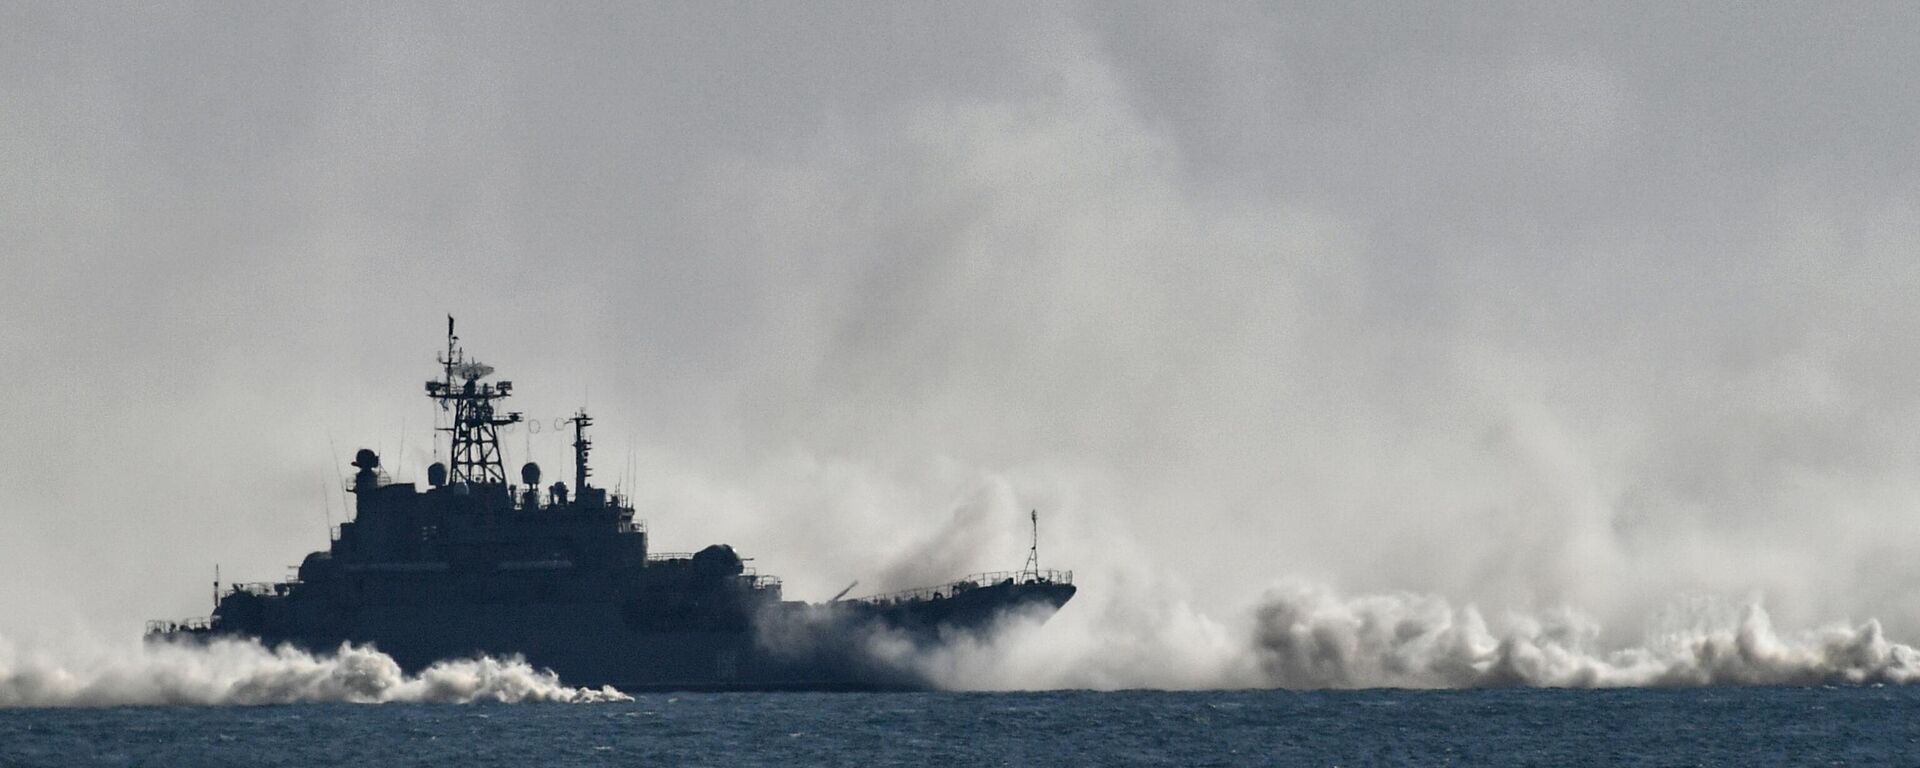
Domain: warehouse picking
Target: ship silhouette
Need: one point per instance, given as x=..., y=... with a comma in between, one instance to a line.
x=563, y=577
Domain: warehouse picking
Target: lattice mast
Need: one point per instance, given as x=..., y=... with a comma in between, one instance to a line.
x=474, y=457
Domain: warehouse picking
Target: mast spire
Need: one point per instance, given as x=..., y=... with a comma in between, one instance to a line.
x=580, y=447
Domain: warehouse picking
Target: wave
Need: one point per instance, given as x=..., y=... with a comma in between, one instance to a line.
x=244, y=672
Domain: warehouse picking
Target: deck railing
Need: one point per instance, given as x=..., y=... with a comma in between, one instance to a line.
x=167, y=627
x=261, y=588
x=763, y=582
x=972, y=582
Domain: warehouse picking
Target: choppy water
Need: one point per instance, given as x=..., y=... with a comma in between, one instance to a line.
x=1704, y=727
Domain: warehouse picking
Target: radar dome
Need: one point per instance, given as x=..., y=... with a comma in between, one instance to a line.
x=366, y=459
x=436, y=474
x=530, y=474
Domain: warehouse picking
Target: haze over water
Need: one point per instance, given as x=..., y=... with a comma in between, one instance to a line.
x=1338, y=346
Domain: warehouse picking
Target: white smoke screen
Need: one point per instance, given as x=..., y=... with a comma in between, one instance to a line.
x=1526, y=327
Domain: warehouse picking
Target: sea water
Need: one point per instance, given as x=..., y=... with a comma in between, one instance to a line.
x=1866, y=726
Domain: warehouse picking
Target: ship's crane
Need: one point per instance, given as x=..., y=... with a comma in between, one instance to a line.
x=1032, y=571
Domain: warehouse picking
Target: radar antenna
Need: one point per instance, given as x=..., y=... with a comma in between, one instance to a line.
x=475, y=456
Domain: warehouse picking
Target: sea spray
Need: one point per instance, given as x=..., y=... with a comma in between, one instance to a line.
x=1307, y=637
x=1301, y=636
x=243, y=672
x=1295, y=636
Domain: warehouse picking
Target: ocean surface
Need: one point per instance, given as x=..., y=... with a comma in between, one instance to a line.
x=1866, y=726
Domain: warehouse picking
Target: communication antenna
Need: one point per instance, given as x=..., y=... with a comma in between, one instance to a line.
x=326, y=507
x=216, y=586
x=340, y=487
x=1033, y=552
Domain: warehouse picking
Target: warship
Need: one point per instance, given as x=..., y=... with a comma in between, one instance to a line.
x=563, y=577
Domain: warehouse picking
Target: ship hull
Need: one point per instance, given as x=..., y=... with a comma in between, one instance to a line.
x=788, y=646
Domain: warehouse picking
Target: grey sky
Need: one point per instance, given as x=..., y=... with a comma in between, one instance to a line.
x=1594, y=305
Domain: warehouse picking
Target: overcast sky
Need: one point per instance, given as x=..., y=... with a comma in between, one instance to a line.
x=1597, y=306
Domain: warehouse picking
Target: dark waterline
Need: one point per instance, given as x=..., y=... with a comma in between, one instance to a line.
x=1695, y=727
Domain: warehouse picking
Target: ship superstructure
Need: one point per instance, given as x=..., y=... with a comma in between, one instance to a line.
x=563, y=575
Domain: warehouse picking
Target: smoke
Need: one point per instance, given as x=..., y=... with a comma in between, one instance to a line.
x=1301, y=636
x=244, y=672
x=1526, y=308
